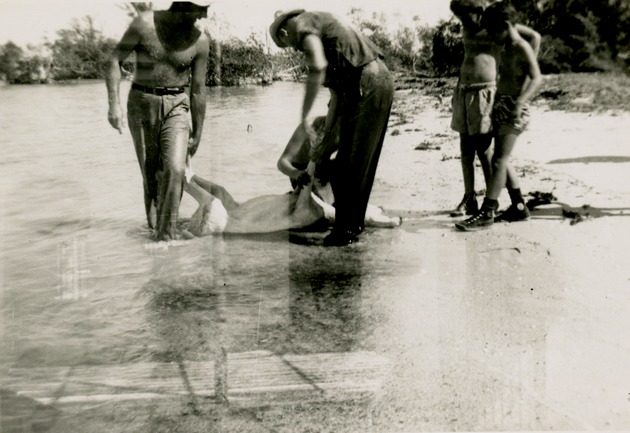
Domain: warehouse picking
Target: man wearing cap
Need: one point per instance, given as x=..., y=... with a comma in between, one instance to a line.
x=168, y=48
x=339, y=57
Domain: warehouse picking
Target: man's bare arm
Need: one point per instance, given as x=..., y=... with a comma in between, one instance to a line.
x=291, y=152
x=198, y=92
x=532, y=37
x=316, y=63
x=127, y=44
x=533, y=72
x=321, y=149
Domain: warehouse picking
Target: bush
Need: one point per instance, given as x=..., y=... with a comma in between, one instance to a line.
x=554, y=56
x=81, y=52
x=289, y=64
x=375, y=28
x=11, y=57
x=448, y=48
x=24, y=67
x=236, y=62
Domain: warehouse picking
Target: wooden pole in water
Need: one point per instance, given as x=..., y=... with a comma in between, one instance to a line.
x=221, y=376
x=218, y=52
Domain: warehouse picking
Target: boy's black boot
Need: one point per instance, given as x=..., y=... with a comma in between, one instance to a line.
x=482, y=219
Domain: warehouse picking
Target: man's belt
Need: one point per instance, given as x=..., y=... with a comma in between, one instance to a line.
x=159, y=91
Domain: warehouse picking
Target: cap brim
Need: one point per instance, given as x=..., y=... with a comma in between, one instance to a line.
x=162, y=5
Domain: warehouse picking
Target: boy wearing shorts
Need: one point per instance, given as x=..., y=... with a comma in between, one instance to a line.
x=473, y=98
x=519, y=81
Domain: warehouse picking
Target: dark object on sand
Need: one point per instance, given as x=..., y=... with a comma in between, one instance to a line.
x=576, y=215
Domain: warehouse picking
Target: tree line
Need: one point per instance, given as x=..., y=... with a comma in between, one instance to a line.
x=577, y=36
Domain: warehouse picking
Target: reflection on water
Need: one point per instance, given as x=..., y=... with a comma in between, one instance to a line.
x=324, y=308
x=23, y=414
x=74, y=243
x=71, y=259
x=243, y=294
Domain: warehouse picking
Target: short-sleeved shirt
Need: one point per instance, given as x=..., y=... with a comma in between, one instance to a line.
x=345, y=47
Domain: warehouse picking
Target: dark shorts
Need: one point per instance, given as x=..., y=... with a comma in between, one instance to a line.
x=504, y=113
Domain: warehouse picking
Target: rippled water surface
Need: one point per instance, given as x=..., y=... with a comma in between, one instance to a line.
x=82, y=281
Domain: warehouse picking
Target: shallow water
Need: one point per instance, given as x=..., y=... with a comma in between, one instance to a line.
x=75, y=248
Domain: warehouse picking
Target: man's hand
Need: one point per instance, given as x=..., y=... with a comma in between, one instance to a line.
x=116, y=118
x=193, y=144
x=303, y=179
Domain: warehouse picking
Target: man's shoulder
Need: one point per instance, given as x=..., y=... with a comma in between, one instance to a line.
x=146, y=15
x=203, y=38
x=142, y=21
x=202, y=44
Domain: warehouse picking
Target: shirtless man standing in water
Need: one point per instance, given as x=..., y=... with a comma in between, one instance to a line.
x=168, y=47
x=474, y=95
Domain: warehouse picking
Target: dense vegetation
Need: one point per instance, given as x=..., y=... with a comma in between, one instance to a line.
x=578, y=36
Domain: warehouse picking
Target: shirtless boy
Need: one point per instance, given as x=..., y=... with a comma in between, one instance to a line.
x=519, y=81
x=168, y=47
x=474, y=96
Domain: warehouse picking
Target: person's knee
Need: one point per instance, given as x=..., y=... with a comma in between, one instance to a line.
x=175, y=169
x=483, y=149
x=499, y=163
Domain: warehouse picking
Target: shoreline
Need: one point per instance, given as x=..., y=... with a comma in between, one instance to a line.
x=579, y=156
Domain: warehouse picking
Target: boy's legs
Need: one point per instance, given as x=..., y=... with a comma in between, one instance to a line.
x=504, y=144
x=472, y=109
x=518, y=210
x=484, y=153
x=468, y=205
x=471, y=145
x=196, y=191
x=506, y=139
x=215, y=190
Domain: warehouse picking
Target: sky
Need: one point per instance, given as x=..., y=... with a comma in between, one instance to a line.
x=30, y=21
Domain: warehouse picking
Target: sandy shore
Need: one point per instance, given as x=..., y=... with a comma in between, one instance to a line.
x=583, y=158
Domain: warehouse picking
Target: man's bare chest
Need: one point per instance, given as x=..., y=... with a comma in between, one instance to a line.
x=160, y=51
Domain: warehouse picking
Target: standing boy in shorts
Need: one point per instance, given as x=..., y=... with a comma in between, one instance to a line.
x=474, y=96
x=519, y=81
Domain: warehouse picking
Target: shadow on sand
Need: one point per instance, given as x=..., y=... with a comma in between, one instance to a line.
x=540, y=209
x=589, y=159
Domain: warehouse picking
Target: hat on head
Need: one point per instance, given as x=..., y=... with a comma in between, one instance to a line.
x=160, y=5
x=279, y=20
x=460, y=7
